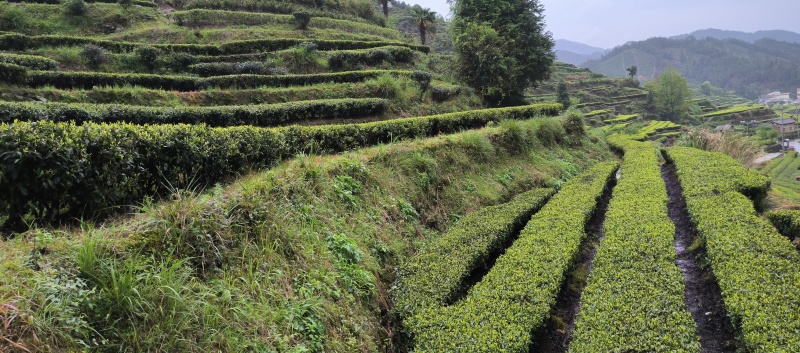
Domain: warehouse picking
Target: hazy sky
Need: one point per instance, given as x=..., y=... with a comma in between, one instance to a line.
x=608, y=23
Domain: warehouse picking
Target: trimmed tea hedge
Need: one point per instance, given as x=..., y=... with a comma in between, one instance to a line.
x=122, y=95
x=12, y=73
x=346, y=58
x=755, y=266
x=17, y=41
x=88, y=80
x=787, y=222
x=254, y=115
x=282, y=7
x=719, y=173
x=514, y=298
x=634, y=299
x=199, y=17
x=442, y=91
x=31, y=62
x=436, y=274
x=55, y=170
x=231, y=68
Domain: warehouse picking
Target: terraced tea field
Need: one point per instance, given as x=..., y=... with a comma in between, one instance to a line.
x=638, y=284
x=298, y=176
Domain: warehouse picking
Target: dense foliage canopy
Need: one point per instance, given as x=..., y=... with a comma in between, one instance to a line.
x=502, y=46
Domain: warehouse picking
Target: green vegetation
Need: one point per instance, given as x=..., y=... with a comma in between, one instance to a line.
x=424, y=18
x=17, y=41
x=635, y=284
x=622, y=119
x=501, y=47
x=154, y=195
x=436, y=275
x=787, y=222
x=252, y=115
x=88, y=80
x=299, y=256
x=65, y=169
x=748, y=69
x=515, y=297
x=734, y=110
x=671, y=96
x=755, y=266
x=782, y=173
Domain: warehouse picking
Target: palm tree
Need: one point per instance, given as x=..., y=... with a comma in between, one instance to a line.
x=424, y=18
x=385, y=4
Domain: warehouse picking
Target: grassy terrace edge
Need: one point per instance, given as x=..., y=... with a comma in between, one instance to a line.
x=755, y=266
x=634, y=299
x=64, y=170
x=515, y=297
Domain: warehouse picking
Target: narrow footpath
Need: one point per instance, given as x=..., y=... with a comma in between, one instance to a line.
x=703, y=294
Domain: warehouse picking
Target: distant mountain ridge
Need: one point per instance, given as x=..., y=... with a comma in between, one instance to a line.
x=779, y=35
x=749, y=69
x=576, y=53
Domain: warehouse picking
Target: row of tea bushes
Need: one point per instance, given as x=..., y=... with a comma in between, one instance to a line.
x=437, y=273
x=31, y=62
x=56, y=170
x=20, y=42
x=88, y=80
x=755, y=266
x=634, y=298
x=204, y=17
x=221, y=116
x=514, y=299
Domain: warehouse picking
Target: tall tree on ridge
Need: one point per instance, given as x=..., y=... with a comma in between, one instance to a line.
x=502, y=47
x=385, y=4
x=424, y=18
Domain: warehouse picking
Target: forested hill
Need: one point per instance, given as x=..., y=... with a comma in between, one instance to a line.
x=783, y=36
x=750, y=69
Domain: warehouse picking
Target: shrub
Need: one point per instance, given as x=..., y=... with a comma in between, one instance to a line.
x=13, y=74
x=148, y=55
x=550, y=132
x=87, y=80
x=178, y=61
x=65, y=169
x=423, y=78
x=251, y=67
x=755, y=266
x=787, y=222
x=647, y=287
x=435, y=275
x=304, y=57
x=574, y=127
x=31, y=62
x=302, y=18
x=515, y=298
x=254, y=115
x=74, y=7
x=94, y=55
x=125, y=3
x=442, y=92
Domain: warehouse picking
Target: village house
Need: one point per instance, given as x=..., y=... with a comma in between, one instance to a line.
x=724, y=128
x=785, y=126
x=775, y=97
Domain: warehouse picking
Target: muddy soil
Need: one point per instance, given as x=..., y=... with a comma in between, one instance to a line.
x=703, y=295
